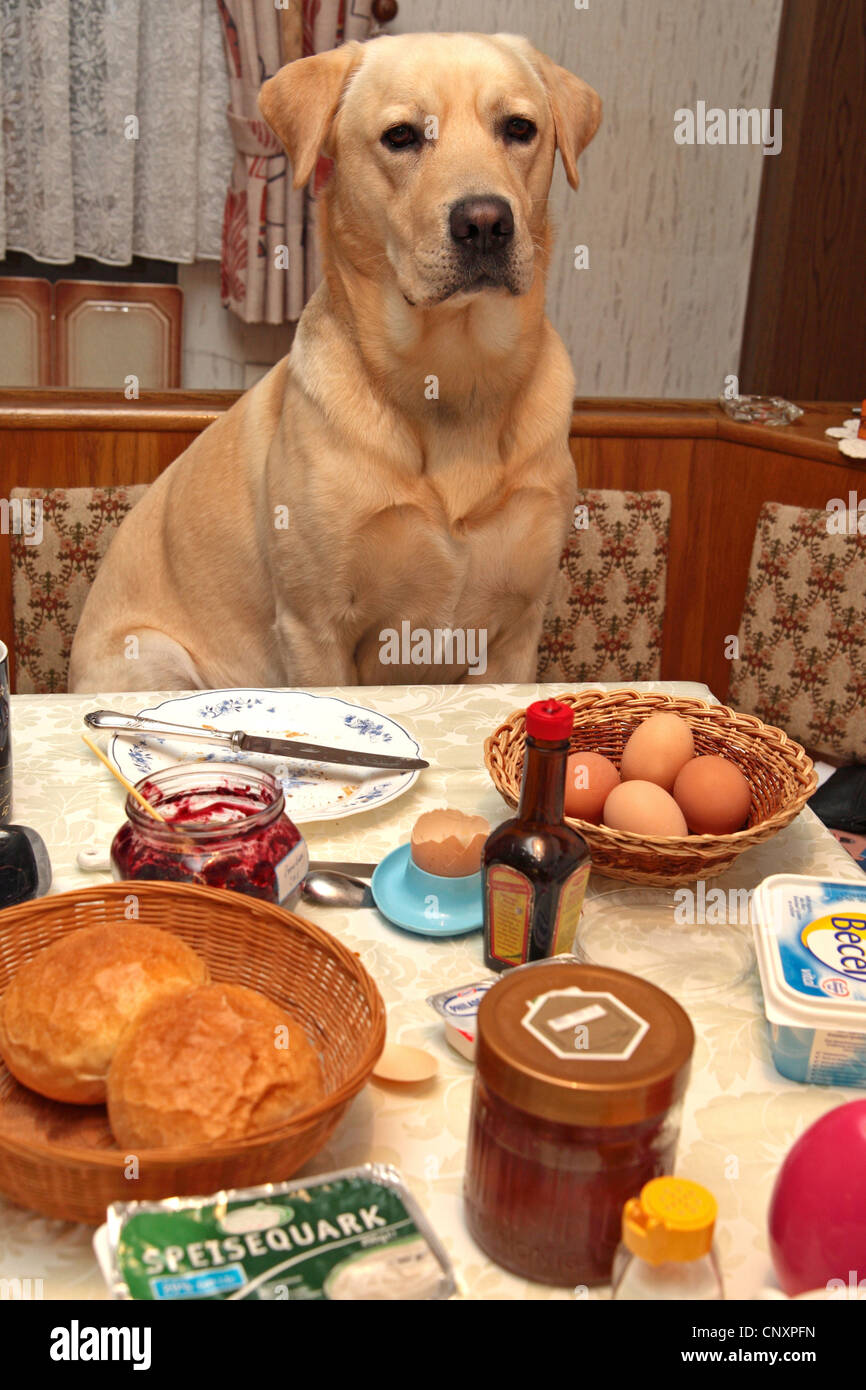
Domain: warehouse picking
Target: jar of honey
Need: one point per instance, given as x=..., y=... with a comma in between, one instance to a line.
x=580, y=1074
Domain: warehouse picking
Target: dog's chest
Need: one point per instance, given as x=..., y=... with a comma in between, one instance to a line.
x=455, y=540
x=467, y=497
x=470, y=488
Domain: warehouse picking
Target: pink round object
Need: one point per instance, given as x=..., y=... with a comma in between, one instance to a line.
x=818, y=1206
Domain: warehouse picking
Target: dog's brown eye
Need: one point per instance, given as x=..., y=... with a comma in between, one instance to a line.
x=520, y=128
x=399, y=137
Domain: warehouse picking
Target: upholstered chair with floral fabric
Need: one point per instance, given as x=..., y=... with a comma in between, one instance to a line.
x=50, y=580
x=801, y=663
x=605, y=622
x=606, y=618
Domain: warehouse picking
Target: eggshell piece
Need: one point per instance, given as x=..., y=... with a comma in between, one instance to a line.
x=589, y=780
x=713, y=795
x=644, y=809
x=449, y=843
x=657, y=750
x=405, y=1064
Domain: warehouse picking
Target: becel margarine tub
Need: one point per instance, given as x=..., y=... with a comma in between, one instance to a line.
x=810, y=935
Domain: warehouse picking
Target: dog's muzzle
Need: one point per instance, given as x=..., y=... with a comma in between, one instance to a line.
x=481, y=252
x=482, y=246
x=482, y=227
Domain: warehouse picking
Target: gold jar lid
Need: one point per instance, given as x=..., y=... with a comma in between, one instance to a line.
x=583, y=1044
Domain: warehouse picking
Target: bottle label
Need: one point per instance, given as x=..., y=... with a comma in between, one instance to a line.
x=584, y=1025
x=568, y=911
x=510, y=899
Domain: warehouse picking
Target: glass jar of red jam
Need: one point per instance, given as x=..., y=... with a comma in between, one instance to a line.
x=580, y=1073
x=225, y=827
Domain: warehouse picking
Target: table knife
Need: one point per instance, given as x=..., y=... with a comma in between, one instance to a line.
x=239, y=742
x=99, y=861
x=336, y=866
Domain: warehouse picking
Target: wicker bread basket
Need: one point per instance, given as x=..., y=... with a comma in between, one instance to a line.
x=62, y=1160
x=777, y=769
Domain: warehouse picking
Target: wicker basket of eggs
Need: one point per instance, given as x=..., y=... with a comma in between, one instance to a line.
x=665, y=790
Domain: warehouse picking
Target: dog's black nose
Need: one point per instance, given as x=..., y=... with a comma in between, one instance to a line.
x=482, y=224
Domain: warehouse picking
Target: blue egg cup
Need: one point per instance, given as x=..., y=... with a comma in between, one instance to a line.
x=426, y=903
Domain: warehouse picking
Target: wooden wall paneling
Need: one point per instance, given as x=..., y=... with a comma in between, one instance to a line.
x=805, y=330
x=717, y=488
x=654, y=419
x=669, y=465
x=25, y=331
x=77, y=458
x=92, y=458
x=767, y=280
x=740, y=480
x=104, y=331
x=717, y=472
x=92, y=408
x=89, y=437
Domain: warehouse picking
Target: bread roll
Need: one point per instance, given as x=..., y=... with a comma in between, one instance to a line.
x=219, y=1062
x=62, y=1015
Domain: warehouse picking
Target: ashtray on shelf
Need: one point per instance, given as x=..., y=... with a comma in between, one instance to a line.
x=760, y=410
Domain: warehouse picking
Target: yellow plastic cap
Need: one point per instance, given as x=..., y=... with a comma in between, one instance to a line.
x=673, y=1219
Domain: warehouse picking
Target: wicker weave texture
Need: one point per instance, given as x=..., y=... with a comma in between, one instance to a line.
x=62, y=1159
x=780, y=775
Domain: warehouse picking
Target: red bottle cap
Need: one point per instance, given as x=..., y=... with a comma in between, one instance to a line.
x=550, y=720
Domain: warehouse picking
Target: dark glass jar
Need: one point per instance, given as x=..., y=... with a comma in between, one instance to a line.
x=580, y=1073
x=225, y=827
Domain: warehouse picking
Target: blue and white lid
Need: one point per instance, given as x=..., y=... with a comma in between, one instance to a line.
x=460, y=1004
x=810, y=935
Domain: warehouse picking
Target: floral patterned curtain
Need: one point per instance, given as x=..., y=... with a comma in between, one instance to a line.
x=263, y=213
x=113, y=138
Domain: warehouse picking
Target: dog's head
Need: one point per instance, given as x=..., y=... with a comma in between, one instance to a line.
x=443, y=147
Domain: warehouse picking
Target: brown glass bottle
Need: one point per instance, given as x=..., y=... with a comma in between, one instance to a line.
x=535, y=866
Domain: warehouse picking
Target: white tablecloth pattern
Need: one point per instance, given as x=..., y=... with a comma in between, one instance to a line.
x=740, y=1116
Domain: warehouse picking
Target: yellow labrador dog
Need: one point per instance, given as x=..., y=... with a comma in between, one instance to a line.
x=390, y=502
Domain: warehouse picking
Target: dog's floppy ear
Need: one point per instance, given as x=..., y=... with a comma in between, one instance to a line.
x=576, y=107
x=300, y=101
x=576, y=112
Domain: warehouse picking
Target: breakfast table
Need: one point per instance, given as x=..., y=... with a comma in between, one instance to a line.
x=740, y=1116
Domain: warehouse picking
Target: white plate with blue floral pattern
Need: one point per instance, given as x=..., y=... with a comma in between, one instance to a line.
x=314, y=791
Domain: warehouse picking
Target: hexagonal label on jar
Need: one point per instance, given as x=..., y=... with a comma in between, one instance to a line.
x=585, y=1025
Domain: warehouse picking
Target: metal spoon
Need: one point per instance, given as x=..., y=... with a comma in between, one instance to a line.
x=336, y=890
x=325, y=888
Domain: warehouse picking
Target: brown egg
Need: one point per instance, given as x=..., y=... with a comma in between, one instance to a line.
x=449, y=843
x=589, y=780
x=657, y=750
x=643, y=808
x=713, y=795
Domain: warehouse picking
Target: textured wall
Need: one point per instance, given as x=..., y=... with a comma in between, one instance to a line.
x=669, y=227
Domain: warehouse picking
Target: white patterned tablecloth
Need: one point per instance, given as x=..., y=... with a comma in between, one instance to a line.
x=740, y=1117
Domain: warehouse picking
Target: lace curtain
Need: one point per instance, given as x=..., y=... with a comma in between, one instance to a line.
x=263, y=213
x=74, y=180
